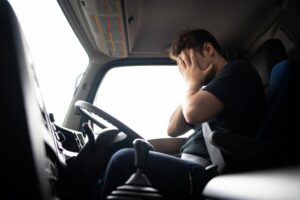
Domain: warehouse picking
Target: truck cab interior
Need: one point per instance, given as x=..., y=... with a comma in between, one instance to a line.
x=44, y=160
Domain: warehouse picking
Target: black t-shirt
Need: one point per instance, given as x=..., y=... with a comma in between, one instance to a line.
x=240, y=89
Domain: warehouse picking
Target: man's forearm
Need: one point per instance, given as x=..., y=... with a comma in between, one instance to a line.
x=190, y=103
x=177, y=124
x=200, y=106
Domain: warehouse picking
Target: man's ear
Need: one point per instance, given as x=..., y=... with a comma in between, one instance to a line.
x=208, y=49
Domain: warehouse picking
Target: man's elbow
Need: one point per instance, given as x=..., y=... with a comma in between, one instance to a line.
x=192, y=117
x=169, y=131
x=172, y=132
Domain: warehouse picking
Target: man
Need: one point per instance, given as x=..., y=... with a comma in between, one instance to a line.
x=228, y=95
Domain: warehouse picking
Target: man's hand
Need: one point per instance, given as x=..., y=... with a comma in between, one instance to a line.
x=193, y=75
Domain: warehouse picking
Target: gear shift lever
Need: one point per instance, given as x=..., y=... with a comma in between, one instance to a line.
x=137, y=186
x=141, y=148
x=141, y=153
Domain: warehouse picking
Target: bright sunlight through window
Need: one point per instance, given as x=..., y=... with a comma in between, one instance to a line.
x=142, y=97
x=57, y=54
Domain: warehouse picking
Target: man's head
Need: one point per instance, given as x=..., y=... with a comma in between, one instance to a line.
x=193, y=39
x=206, y=48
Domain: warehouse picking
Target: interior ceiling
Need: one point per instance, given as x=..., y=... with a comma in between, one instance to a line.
x=150, y=25
x=235, y=23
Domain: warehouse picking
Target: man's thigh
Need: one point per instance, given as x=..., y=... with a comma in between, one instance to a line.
x=172, y=176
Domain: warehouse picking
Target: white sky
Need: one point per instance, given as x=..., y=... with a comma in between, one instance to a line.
x=57, y=54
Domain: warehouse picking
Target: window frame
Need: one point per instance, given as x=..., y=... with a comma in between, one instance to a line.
x=124, y=63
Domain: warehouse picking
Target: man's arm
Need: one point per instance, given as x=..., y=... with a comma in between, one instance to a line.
x=198, y=105
x=177, y=124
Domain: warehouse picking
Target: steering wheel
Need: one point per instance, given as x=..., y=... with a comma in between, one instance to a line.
x=92, y=113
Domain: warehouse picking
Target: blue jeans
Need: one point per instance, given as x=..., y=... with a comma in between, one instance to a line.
x=173, y=177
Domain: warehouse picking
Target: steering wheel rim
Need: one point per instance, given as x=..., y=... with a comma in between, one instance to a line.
x=87, y=109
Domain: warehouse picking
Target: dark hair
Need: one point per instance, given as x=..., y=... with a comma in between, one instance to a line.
x=193, y=39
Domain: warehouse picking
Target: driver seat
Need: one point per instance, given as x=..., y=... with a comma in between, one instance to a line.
x=231, y=152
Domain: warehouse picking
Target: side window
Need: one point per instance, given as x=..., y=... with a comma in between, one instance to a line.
x=142, y=97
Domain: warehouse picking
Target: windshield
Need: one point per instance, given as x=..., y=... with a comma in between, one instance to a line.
x=57, y=55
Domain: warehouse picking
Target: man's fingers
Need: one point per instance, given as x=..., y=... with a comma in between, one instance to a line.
x=180, y=64
x=185, y=58
x=209, y=69
x=193, y=57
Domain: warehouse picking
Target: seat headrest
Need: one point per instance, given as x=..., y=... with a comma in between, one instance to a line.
x=266, y=56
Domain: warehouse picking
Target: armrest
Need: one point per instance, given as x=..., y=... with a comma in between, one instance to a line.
x=169, y=146
x=243, y=147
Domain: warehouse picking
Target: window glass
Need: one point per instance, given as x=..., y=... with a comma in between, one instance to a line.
x=142, y=97
x=58, y=57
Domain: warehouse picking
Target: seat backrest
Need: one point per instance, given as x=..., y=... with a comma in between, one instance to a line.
x=266, y=57
x=279, y=77
x=273, y=126
x=291, y=111
x=26, y=170
x=271, y=62
x=274, y=70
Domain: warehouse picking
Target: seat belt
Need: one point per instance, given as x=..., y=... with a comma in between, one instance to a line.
x=213, y=151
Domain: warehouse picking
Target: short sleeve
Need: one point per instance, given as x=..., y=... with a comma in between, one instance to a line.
x=236, y=85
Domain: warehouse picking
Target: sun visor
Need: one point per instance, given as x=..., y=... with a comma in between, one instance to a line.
x=105, y=19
